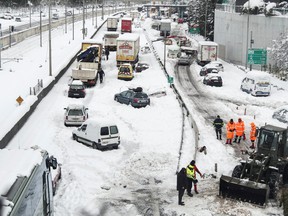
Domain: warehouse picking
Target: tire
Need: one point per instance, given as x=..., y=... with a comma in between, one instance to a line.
x=75, y=137
x=273, y=183
x=94, y=145
x=237, y=171
x=285, y=175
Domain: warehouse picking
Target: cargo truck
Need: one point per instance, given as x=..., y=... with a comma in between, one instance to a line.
x=128, y=46
x=88, y=62
x=110, y=40
x=112, y=23
x=126, y=24
x=27, y=182
x=207, y=52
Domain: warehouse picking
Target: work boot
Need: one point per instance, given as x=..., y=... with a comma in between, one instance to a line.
x=181, y=203
x=220, y=137
x=190, y=194
x=252, y=147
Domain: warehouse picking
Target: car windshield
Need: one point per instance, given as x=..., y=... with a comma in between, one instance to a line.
x=124, y=70
x=75, y=112
x=263, y=84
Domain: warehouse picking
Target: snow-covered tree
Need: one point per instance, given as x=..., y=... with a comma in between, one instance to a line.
x=279, y=55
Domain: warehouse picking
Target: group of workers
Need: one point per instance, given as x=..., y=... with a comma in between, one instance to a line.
x=234, y=130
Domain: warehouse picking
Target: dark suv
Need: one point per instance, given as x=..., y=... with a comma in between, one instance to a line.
x=134, y=97
x=76, y=89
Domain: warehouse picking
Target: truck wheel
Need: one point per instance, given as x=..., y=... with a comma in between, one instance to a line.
x=75, y=137
x=94, y=145
x=237, y=171
x=285, y=175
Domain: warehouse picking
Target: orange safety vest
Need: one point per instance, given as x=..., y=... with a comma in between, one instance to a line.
x=239, y=126
x=253, y=132
x=230, y=134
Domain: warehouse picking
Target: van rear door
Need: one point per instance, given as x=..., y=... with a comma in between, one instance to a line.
x=109, y=135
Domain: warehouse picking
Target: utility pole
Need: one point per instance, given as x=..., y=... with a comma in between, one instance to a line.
x=73, y=24
x=205, y=27
x=247, y=38
x=251, y=43
x=50, y=49
x=40, y=26
x=83, y=31
x=96, y=12
x=102, y=10
x=65, y=17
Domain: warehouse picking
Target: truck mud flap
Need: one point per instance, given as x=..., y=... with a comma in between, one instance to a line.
x=244, y=190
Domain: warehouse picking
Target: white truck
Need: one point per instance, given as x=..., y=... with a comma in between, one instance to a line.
x=110, y=40
x=256, y=83
x=88, y=62
x=112, y=23
x=27, y=181
x=207, y=52
x=128, y=46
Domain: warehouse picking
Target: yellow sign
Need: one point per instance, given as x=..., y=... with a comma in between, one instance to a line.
x=19, y=100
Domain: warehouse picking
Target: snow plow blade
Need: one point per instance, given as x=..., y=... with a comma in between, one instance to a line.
x=244, y=190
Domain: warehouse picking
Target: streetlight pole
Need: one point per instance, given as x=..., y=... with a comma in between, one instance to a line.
x=102, y=10
x=247, y=38
x=29, y=14
x=50, y=49
x=65, y=17
x=40, y=26
x=73, y=24
x=165, y=50
x=96, y=12
x=92, y=15
x=83, y=31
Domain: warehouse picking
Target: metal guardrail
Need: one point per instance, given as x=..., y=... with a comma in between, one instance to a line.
x=185, y=110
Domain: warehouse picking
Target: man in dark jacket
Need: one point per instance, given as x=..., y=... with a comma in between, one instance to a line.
x=107, y=53
x=181, y=185
x=101, y=74
x=218, y=124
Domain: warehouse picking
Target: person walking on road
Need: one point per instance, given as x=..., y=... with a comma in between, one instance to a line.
x=218, y=124
x=181, y=185
x=240, y=128
x=191, y=177
x=230, y=128
x=107, y=53
x=101, y=74
x=253, y=135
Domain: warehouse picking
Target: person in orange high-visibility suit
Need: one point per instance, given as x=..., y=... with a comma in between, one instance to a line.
x=240, y=128
x=253, y=135
x=230, y=128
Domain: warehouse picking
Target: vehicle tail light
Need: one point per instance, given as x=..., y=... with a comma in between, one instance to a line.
x=82, y=90
x=84, y=118
x=66, y=117
x=135, y=100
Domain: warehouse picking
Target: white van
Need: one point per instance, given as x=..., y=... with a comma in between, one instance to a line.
x=99, y=135
x=256, y=83
x=174, y=51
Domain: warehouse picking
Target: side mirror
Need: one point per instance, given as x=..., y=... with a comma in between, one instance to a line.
x=51, y=162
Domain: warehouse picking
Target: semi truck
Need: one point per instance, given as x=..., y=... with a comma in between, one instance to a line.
x=207, y=52
x=128, y=46
x=110, y=40
x=88, y=62
x=27, y=182
x=112, y=23
x=126, y=24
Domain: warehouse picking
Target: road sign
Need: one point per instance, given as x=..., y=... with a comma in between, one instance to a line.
x=257, y=56
x=19, y=100
x=170, y=79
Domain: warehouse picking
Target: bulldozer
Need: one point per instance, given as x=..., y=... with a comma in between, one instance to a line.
x=259, y=177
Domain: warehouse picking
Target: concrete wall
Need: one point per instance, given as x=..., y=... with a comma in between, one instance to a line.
x=231, y=34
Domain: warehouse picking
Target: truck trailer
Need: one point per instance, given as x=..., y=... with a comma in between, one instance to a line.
x=126, y=24
x=112, y=23
x=128, y=46
x=207, y=52
x=88, y=62
x=27, y=185
x=110, y=40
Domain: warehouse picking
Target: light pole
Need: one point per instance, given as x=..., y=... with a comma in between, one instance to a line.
x=102, y=17
x=83, y=31
x=40, y=26
x=73, y=24
x=96, y=13
x=247, y=38
x=50, y=49
x=65, y=17
x=92, y=15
